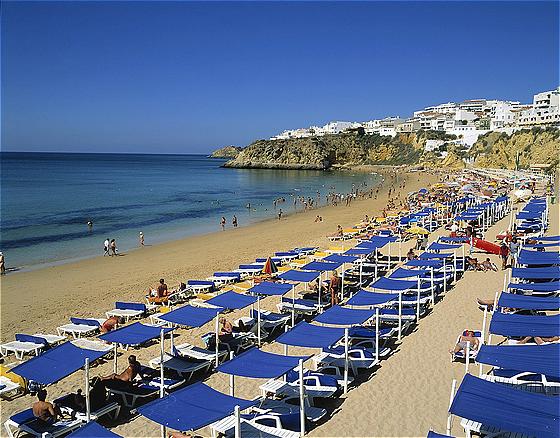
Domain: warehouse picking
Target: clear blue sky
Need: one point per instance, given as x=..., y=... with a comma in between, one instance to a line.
x=188, y=77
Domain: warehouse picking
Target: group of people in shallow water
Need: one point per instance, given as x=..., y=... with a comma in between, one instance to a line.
x=223, y=222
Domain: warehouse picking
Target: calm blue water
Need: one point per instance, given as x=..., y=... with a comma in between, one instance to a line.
x=47, y=200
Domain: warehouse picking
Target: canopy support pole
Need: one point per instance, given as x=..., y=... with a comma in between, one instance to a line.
x=484, y=324
x=301, y=400
x=467, y=356
x=400, y=315
x=377, y=334
x=346, y=360
x=161, y=377
x=259, y=320
x=341, y=284
x=389, y=258
x=88, y=404
x=454, y=267
x=217, y=360
x=361, y=263
x=115, y=358
x=231, y=378
x=294, y=302
x=237, y=422
x=449, y=416
x=286, y=328
x=432, y=284
x=418, y=302
x=400, y=248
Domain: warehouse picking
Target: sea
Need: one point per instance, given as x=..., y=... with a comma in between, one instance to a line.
x=47, y=200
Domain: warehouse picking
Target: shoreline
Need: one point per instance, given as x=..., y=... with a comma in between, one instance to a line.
x=42, y=299
x=168, y=235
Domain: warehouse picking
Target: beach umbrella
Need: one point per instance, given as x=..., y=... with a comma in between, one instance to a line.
x=423, y=191
x=417, y=230
x=270, y=267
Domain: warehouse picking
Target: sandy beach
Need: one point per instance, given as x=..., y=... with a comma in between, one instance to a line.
x=406, y=396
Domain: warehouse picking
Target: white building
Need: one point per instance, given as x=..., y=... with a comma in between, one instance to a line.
x=432, y=145
x=336, y=127
x=543, y=112
x=467, y=135
x=387, y=125
x=503, y=113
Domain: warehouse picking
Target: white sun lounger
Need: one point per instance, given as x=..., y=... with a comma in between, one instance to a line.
x=144, y=389
x=25, y=344
x=111, y=408
x=8, y=388
x=358, y=357
x=460, y=355
x=25, y=421
x=189, y=350
x=250, y=429
x=184, y=367
x=130, y=311
x=79, y=327
x=528, y=381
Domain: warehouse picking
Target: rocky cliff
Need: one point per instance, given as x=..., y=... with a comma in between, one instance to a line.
x=332, y=151
x=521, y=149
x=226, y=152
x=497, y=150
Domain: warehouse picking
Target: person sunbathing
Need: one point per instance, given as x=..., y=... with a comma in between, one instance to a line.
x=161, y=293
x=539, y=340
x=43, y=410
x=472, y=264
x=487, y=265
x=110, y=324
x=410, y=255
x=128, y=374
x=226, y=330
x=467, y=336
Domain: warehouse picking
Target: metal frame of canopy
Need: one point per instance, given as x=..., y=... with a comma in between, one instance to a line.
x=346, y=335
x=86, y=366
x=305, y=283
x=270, y=356
x=256, y=292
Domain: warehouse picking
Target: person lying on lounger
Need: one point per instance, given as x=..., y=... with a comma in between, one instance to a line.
x=110, y=324
x=538, y=339
x=43, y=410
x=473, y=265
x=410, y=254
x=128, y=374
x=487, y=265
x=467, y=336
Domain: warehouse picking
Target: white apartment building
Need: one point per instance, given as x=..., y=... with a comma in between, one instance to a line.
x=543, y=112
x=336, y=127
x=503, y=113
x=387, y=124
x=467, y=135
x=473, y=105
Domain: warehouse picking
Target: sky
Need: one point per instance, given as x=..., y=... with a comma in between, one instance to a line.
x=189, y=77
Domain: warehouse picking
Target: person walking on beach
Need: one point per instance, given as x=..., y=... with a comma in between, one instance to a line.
x=141, y=238
x=234, y=221
x=334, y=288
x=2, y=264
x=223, y=223
x=113, y=247
x=280, y=214
x=106, y=247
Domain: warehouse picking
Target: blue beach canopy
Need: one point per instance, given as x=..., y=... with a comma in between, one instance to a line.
x=528, y=302
x=549, y=239
x=134, y=334
x=549, y=286
x=507, y=324
x=432, y=256
x=384, y=283
x=435, y=246
x=260, y=364
x=365, y=298
x=542, y=245
x=269, y=288
x=541, y=359
x=529, y=215
x=360, y=251
x=301, y=276
x=193, y=407
x=190, y=316
x=321, y=266
x=432, y=434
x=425, y=263
x=232, y=300
x=56, y=363
x=93, y=430
x=340, y=258
x=527, y=257
x=507, y=408
x=408, y=273
x=311, y=336
x=536, y=273
x=338, y=315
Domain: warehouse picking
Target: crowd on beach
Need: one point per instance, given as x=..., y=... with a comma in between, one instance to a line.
x=369, y=227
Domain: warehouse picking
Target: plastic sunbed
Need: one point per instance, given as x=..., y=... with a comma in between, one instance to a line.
x=9, y=388
x=79, y=327
x=460, y=355
x=25, y=421
x=317, y=385
x=66, y=405
x=143, y=389
x=128, y=310
x=358, y=357
x=198, y=353
x=25, y=344
x=182, y=366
